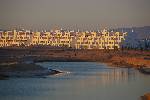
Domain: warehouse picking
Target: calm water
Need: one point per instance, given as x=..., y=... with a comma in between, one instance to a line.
x=86, y=81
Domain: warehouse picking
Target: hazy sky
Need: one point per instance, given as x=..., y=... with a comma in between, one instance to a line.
x=71, y=13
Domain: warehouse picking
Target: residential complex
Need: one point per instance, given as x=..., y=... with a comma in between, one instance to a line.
x=64, y=38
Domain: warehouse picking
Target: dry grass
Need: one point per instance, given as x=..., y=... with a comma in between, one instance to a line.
x=118, y=58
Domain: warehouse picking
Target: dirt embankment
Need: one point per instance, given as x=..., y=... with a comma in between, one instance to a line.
x=130, y=61
x=24, y=70
x=130, y=58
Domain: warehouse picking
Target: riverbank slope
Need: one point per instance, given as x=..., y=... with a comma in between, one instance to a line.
x=24, y=70
x=21, y=60
x=119, y=58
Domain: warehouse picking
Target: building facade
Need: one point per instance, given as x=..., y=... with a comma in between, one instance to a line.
x=64, y=38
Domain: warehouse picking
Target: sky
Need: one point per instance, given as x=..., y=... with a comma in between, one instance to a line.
x=88, y=14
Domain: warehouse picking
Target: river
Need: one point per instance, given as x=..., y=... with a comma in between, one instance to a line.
x=85, y=81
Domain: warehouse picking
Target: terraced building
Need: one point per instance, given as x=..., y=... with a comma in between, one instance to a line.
x=64, y=38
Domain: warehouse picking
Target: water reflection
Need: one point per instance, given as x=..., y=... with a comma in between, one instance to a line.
x=107, y=77
x=87, y=81
x=116, y=75
x=96, y=71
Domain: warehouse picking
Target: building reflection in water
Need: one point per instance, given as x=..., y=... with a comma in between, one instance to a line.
x=108, y=77
x=116, y=75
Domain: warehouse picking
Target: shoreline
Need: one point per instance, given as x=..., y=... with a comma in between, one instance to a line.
x=118, y=58
x=23, y=70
